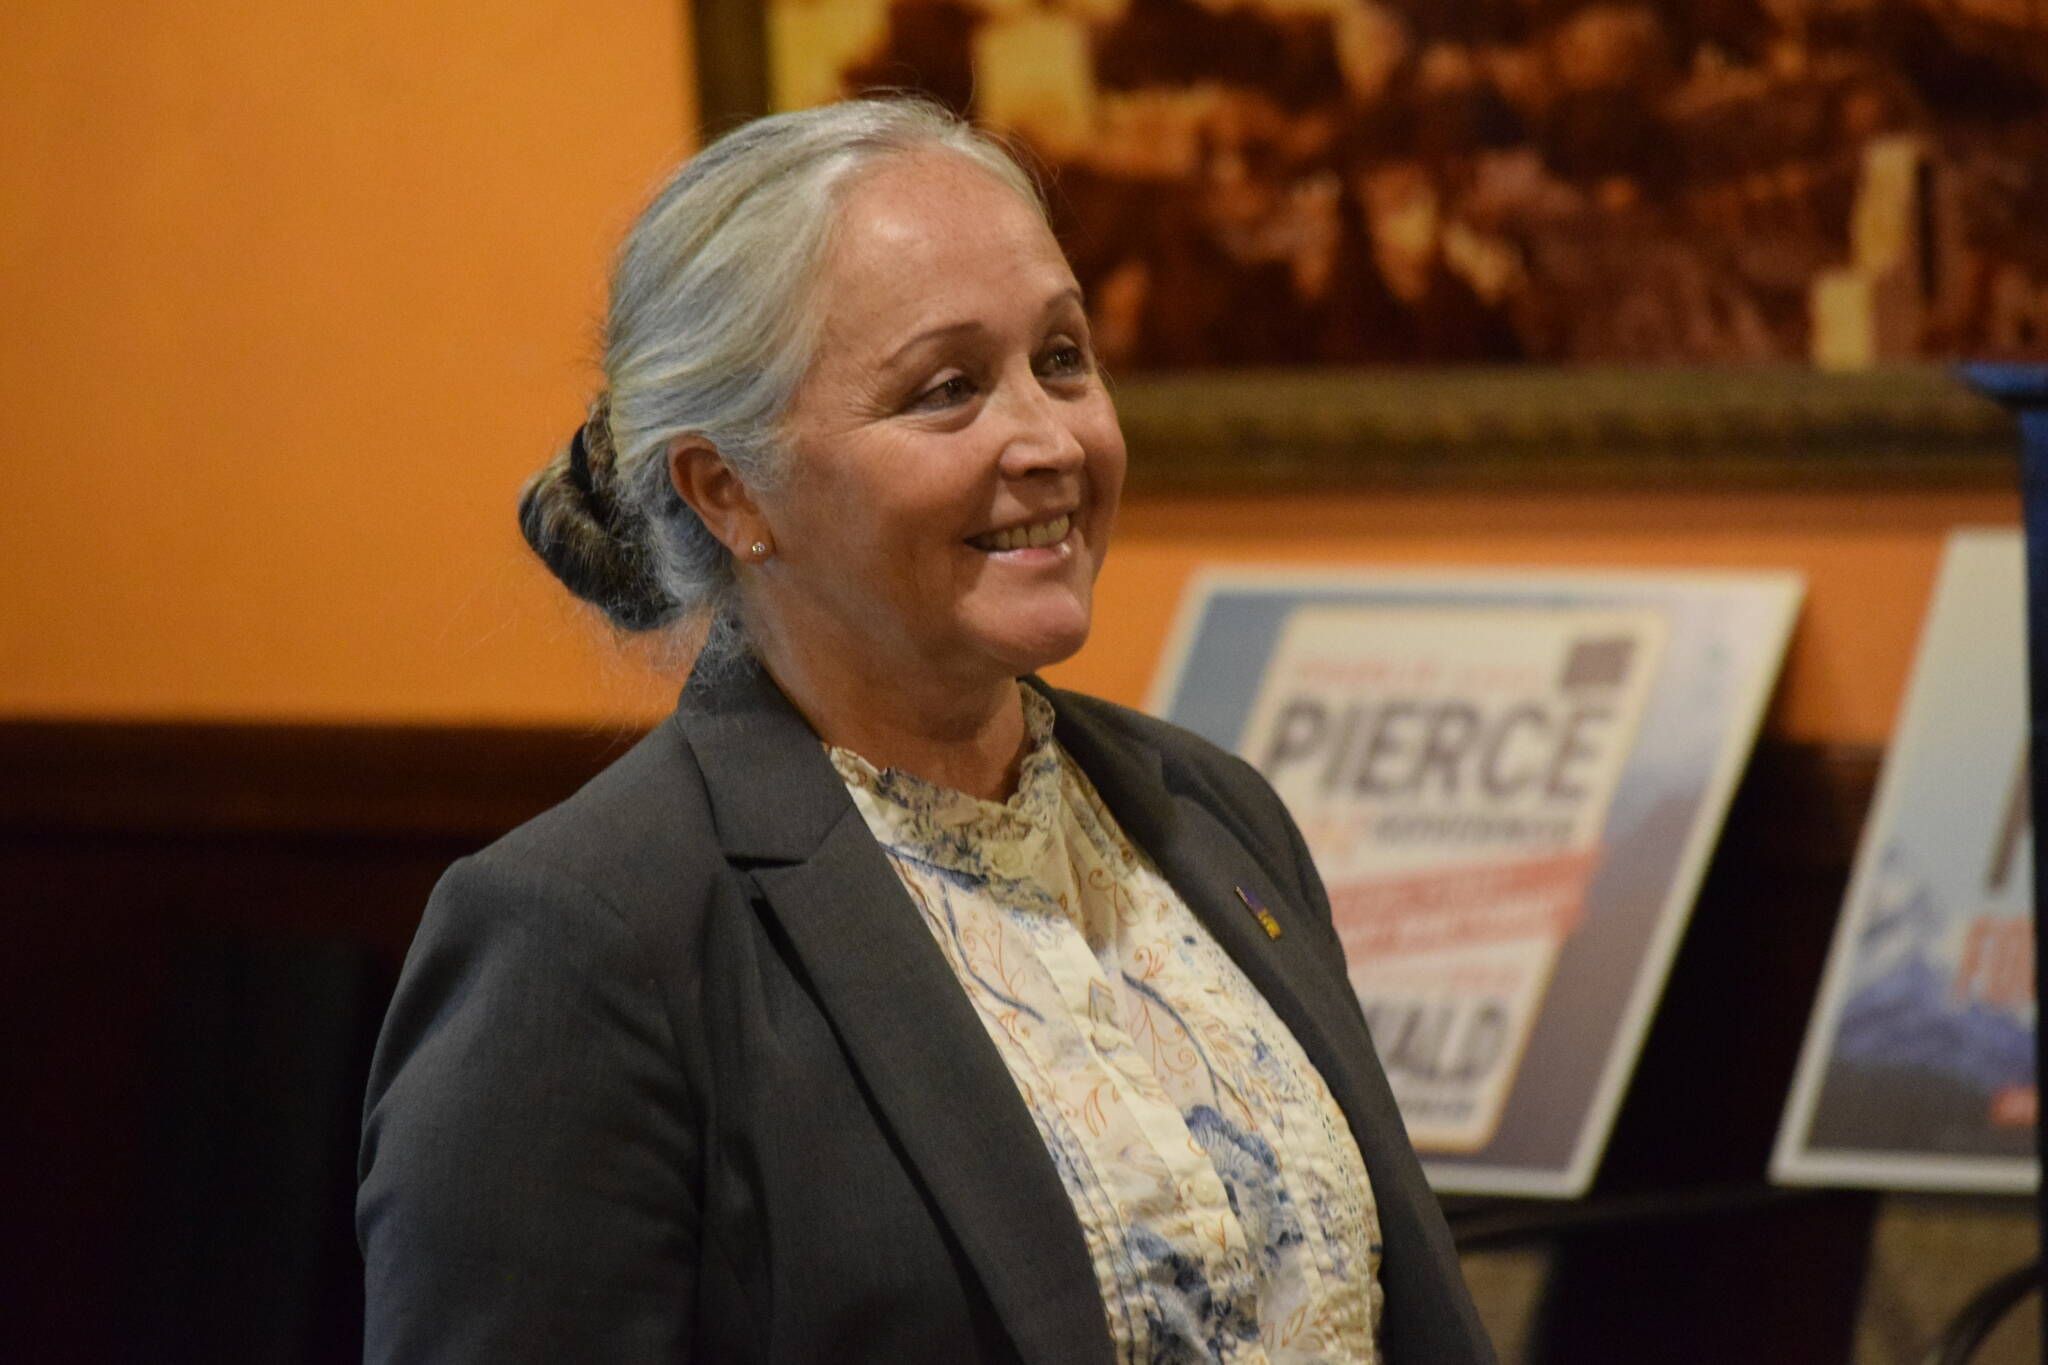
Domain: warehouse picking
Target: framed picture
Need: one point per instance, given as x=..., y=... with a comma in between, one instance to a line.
x=1342, y=240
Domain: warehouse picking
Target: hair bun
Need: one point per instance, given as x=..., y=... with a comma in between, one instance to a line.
x=571, y=515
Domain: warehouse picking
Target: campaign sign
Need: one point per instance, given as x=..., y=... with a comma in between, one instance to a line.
x=1918, y=1069
x=1509, y=784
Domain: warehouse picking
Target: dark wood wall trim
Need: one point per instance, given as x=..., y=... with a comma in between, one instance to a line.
x=475, y=782
x=455, y=782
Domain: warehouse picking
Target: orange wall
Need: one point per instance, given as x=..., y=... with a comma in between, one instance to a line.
x=297, y=295
x=1868, y=560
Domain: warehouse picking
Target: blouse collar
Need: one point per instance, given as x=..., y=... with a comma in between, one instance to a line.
x=952, y=828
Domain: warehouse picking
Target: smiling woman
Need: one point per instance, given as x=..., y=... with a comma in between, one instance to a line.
x=953, y=466
x=886, y=1004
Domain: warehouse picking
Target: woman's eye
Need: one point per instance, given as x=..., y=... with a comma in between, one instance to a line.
x=945, y=393
x=1066, y=359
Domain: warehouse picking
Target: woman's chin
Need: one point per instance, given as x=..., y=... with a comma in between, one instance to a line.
x=1039, y=640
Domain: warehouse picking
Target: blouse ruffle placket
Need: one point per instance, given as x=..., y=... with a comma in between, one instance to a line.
x=1162, y=1179
x=1074, y=911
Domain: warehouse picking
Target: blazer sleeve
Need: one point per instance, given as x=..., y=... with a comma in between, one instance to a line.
x=525, y=1176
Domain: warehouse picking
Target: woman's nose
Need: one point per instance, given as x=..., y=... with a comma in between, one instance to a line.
x=1038, y=435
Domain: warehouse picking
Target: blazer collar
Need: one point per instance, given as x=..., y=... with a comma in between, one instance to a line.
x=774, y=794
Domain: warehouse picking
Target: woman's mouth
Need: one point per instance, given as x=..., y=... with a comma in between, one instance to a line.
x=1037, y=534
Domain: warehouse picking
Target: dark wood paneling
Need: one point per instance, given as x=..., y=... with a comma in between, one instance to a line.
x=203, y=922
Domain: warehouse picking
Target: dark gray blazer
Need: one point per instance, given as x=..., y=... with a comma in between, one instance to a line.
x=676, y=1072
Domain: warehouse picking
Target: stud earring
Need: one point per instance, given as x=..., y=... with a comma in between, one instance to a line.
x=758, y=550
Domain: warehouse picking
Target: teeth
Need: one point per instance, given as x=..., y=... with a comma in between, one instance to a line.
x=1021, y=537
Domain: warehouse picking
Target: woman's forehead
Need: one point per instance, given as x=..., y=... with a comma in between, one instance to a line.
x=935, y=231
x=927, y=199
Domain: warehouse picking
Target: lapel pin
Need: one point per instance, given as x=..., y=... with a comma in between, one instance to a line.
x=1260, y=913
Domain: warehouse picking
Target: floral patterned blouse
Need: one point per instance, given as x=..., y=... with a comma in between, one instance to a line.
x=1222, y=1198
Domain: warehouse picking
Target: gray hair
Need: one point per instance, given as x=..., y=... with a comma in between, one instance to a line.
x=711, y=328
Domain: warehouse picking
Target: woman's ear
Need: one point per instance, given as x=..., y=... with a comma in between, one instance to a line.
x=721, y=501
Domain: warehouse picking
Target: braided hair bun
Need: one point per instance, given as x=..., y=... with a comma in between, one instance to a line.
x=571, y=514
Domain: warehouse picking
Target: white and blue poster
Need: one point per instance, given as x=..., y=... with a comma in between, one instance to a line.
x=1918, y=1069
x=1510, y=783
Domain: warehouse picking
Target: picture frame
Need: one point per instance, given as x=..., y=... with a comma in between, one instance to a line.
x=1492, y=426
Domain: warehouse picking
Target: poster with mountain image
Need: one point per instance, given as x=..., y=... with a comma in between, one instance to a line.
x=1918, y=1067
x=1510, y=783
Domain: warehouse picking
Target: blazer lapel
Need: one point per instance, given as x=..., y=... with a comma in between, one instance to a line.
x=1207, y=861
x=907, y=1026
x=1208, y=864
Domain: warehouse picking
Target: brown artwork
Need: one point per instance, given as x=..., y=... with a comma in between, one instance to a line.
x=1282, y=182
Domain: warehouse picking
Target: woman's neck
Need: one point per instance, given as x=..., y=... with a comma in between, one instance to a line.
x=966, y=739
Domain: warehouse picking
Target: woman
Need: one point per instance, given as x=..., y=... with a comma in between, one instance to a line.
x=884, y=1004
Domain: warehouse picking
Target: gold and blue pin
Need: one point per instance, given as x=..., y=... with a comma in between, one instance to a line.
x=1260, y=913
